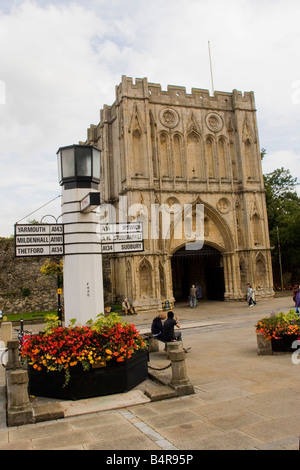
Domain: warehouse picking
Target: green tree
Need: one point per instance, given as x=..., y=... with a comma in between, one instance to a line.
x=283, y=208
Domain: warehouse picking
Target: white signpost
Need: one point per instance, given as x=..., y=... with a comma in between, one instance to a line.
x=39, y=240
x=81, y=240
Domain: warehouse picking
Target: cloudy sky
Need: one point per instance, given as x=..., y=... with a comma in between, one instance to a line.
x=60, y=61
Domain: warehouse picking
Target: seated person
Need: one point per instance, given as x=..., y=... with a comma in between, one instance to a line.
x=168, y=331
x=157, y=326
x=127, y=308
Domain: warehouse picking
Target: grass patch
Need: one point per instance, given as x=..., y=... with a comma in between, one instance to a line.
x=28, y=315
x=35, y=315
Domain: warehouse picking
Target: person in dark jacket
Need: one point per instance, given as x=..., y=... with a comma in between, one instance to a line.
x=168, y=331
x=157, y=326
x=297, y=301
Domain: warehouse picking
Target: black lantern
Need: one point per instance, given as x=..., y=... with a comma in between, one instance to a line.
x=79, y=166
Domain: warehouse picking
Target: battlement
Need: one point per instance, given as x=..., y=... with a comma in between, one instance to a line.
x=177, y=95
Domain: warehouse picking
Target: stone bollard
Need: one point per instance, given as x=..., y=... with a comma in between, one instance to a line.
x=264, y=345
x=19, y=409
x=13, y=361
x=179, y=381
x=174, y=346
x=153, y=344
x=6, y=332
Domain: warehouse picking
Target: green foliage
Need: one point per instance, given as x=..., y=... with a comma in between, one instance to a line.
x=111, y=320
x=53, y=269
x=52, y=321
x=25, y=291
x=283, y=208
x=101, y=321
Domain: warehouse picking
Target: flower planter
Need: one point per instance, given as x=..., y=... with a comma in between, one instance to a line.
x=114, y=378
x=284, y=343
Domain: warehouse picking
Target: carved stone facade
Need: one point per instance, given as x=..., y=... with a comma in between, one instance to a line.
x=175, y=148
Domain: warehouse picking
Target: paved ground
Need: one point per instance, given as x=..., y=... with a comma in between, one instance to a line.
x=242, y=401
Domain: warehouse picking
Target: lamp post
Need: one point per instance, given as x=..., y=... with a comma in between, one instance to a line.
x=79, y=174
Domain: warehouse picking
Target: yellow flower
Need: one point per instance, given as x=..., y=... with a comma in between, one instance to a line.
x=108, y=351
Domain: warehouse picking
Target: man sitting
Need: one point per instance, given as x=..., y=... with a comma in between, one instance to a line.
x=127, y=308
x=168, y=330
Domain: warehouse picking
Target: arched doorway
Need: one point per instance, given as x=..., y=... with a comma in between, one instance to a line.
x=200, y=267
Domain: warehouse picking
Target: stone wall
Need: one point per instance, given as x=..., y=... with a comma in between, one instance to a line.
x=23, y=288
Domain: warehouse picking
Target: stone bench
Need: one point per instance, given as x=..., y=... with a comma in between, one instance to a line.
x=154, y=344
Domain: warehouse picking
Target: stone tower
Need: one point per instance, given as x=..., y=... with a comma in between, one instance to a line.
x=175, y=150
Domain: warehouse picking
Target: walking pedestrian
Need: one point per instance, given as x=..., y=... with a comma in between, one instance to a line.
x=193, y=298
x=297, y=301
x=250, y=296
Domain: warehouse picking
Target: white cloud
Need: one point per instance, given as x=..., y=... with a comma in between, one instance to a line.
x=286, y=159
x=62, y=60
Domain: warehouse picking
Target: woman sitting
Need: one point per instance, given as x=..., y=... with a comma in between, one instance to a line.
x=157, y=326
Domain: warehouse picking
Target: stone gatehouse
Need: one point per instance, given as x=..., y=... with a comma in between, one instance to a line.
x=175, y=148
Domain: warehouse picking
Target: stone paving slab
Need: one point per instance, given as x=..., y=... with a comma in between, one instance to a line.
x=109, y=402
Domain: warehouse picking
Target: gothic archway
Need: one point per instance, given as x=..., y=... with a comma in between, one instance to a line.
x=200, y=267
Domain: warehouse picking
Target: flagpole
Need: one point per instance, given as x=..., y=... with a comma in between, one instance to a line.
x=211, y=73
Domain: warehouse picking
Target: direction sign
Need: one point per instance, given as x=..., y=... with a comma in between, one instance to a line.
x=122, y=247
x=48, y=239
x=122, y=227
x=39, y=239
x=89, y=202
x=121, y=237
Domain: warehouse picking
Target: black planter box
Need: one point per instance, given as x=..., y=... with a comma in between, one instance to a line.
x=284, y=343
x=116, y=377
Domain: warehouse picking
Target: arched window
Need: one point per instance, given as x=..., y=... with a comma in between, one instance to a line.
x=162, y=281
x=177, y=150
x=128, y=281
x=153, y=147
x=165, y=156
x=195, y=166
x=260, y=271
x=138, y=153
x=210, y=158
x=222, y=157
x=256, y=230
x=250, y=160
x=145, y=274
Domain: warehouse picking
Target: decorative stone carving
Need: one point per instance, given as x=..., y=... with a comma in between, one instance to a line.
x=223, y=205
x=169, y=118
x=214, y=122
